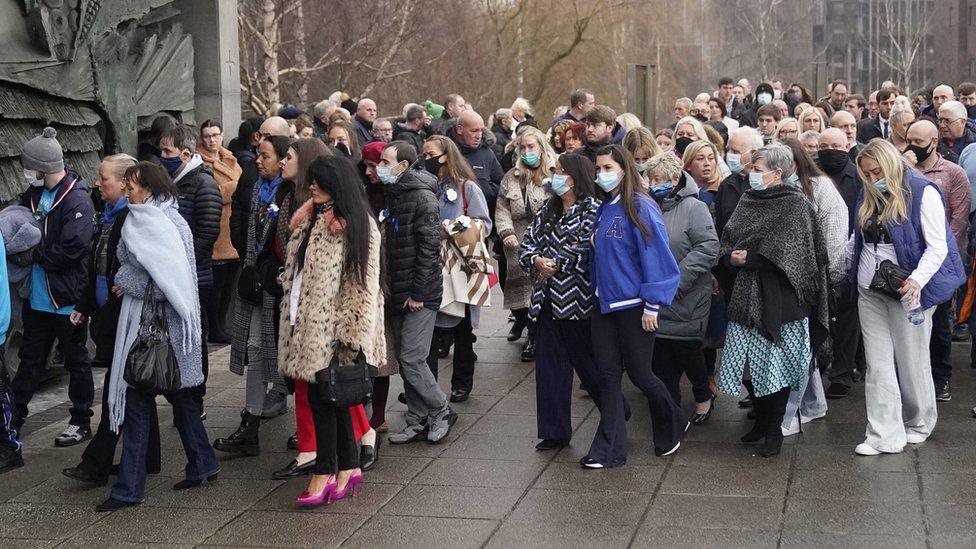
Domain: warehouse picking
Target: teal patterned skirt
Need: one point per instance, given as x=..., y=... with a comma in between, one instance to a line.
x=771, y=366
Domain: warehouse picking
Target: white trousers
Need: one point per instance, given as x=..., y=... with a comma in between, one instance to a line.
x=898, y=383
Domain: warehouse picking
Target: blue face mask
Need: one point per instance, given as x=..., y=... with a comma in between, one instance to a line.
x=661, y=190
x=558, y=184
x=171, y=164
x=385, y=175
x=764, y=99
x=734, y=162
x=641, y=168
x=882, y=186
x=608, y=181
x=756, y=181
x=530, y=159
x=793, y=180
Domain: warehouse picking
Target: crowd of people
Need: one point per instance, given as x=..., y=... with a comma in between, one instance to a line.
x=803, y=237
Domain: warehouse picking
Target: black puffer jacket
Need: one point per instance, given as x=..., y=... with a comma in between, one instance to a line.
x=104, y=320
x=416, y=138
x=413, y=241
x=201, y=207
x=486, y=167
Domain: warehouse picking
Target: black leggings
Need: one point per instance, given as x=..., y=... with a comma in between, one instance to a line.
x=336, y=445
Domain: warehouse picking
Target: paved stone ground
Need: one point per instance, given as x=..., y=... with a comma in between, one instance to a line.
x=486, y=485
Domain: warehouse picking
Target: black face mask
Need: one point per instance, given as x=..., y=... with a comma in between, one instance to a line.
x=970, y=111
x=701, y=117
x=433, y=164
x=832, y=161
x=681, y=143
x=921, y=153
x=344, y=149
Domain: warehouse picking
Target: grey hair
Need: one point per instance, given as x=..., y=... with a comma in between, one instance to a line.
x=409, y=106
x=777, y=157
x=901, y=107
x=323, y=106
x=120, y=162
x=503, y=114
x=753, y=137
x=667, y=164
x=685, y=102
x=956, y=108
x=810, y=134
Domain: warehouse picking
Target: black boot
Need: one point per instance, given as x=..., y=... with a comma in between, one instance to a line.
x=528, y=351
x=758, y=430
x=774, y=409
x=521, y=322
x=10, y=458
x=245, y=438
x=748, y=401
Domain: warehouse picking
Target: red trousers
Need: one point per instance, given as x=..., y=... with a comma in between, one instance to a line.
x=306, y=427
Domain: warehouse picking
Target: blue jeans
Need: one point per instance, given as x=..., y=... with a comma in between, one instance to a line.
x=201, y=460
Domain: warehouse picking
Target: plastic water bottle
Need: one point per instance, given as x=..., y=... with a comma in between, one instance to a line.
x=914, y=309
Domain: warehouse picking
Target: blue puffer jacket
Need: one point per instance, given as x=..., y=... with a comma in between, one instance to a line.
x=66, y=237
x=909, y=245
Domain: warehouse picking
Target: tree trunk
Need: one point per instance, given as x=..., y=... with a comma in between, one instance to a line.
x=270, y=36
x=301, y=58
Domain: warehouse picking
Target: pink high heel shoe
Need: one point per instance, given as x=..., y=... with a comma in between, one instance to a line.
x=352, y=488
x=314, y=500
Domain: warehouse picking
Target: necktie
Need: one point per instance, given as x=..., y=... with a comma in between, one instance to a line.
x=884, y=130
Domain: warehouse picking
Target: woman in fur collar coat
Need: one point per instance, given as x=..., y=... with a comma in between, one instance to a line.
x=332, y=304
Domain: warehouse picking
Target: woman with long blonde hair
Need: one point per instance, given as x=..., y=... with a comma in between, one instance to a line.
x=812, y=119
x=701, y=162
x=902, y=228
x=519, y=198
x=640, y=143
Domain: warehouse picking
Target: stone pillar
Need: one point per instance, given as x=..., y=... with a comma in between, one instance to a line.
x=216, y=60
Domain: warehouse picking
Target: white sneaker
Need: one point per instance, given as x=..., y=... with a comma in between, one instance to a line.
x=864, y=449
x=915, y=438
x=793, y=429
x=808, y=419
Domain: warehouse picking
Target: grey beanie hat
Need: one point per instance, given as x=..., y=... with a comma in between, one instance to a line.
x=43, y=153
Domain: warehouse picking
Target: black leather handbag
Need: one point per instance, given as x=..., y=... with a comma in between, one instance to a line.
x=346, y=385
x=151, y=364
x=888, y=278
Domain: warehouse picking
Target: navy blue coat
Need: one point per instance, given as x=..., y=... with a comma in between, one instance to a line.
x=201, y=206
x=66, y=237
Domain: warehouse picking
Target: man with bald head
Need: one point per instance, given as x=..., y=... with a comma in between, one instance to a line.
x=834, y=159
x=363, y=121
x=469, y=136
x=940, y=95
x=923, y=142
x=844, y=121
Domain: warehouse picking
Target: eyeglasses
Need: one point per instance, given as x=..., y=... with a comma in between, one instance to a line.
x=947, y=121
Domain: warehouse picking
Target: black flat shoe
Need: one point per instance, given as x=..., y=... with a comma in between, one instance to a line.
x=186, y=484
x=112, y=504
x=745, y=403
x=292, y=442
x=402, y=398
x=293, y=470
x=551, y=444
x=369, y=455
x=528, y=351
x=459, y=395
x=589, y=463
x=79, y=474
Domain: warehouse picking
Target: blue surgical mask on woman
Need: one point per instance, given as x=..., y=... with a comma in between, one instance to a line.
x=734, y=161
x=756, y=181
x=608, y=181
x=661, y=190
x=793, y=180
x=882, y=186
x=764, y=99
x=642, y=167
x=559, y=184
x=530, y=159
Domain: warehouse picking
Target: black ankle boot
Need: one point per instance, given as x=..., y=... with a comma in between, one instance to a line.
x=521, y=322
x=774, y=410
x=244, y=440
x=528, y=350
x=758, y=430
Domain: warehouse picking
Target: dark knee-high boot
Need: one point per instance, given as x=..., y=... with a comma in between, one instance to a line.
x=774, y=408
x=758, y=430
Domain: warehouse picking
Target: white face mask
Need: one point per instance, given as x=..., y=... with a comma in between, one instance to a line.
x=32, y=179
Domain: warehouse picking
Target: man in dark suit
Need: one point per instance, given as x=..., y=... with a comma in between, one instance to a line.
x=735, y=109
x=880, y=126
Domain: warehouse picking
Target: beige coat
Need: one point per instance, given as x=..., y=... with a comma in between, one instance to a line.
x=331, y=306
x=512, y=218
x=227, y=172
